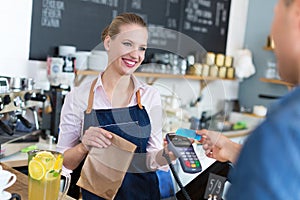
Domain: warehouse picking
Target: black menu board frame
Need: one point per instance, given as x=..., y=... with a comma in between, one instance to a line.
x=80, y=23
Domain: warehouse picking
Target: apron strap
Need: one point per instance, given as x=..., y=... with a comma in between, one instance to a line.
x=91, y=98
x=138, y=98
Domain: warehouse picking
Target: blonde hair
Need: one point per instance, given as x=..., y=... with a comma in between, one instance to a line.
x=124, y=18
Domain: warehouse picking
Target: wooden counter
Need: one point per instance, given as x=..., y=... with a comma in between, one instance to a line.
x=21, y=185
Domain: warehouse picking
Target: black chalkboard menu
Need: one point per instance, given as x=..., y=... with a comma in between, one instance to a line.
x=80, y=23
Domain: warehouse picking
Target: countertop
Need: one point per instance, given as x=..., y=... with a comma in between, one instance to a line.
x=251, y=120
x=19, y=159
x=21, y=185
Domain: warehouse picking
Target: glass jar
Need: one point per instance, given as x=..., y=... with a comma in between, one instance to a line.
x=205, y=70
x=214, y=70
x=222, y=72
x=228, y=61
x=198, y=69
x=230, y=72
x=210, y=58
x=220, y=58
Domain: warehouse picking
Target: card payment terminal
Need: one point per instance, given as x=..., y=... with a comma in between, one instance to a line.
x=183, y=149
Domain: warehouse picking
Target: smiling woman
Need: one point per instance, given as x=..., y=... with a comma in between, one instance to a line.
x=117, y=103
x=126, y=50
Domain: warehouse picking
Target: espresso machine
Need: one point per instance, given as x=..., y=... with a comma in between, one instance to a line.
x=19, y=122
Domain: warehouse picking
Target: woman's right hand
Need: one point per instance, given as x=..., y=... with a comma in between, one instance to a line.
x=96, y=137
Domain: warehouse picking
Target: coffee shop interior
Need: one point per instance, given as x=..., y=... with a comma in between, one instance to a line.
x=226, y=82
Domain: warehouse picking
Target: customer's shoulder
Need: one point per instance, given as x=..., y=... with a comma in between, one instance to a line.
x=291, y=100
x=286, y=109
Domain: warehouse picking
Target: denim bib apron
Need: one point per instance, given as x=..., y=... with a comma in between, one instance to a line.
x=133, y=124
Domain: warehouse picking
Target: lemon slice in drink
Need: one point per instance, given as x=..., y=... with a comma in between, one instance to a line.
x=51, y=175
x=36, y=170
x=46, y=158
x=58, y=163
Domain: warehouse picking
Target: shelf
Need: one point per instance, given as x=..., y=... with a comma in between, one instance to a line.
x=152, y=77
x=277, y=81
x=87, y=72
x=193, y=77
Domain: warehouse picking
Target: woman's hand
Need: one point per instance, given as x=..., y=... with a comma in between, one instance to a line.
x=96, y=137
x=167, y=151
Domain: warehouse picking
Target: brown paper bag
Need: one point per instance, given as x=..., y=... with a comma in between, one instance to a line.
x=104, y=168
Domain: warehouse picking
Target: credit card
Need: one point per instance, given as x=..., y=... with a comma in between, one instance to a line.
x=189, y=133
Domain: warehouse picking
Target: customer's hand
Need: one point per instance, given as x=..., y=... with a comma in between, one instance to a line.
x=96, y=137
x=218, y=146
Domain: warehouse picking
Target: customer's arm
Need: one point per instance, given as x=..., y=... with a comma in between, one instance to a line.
x=218, y=146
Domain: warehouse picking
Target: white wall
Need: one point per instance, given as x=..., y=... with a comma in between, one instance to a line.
x=15, y=34
x=15, y=23
x=237, y=26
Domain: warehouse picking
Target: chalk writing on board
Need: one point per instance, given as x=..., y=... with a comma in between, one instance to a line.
x=160, y=37
x=80, y=23
x=110, y=3
x=52, y=12
x=199, y=16
x=198, y=13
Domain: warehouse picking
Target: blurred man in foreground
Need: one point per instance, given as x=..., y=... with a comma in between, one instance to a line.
x=267, y=167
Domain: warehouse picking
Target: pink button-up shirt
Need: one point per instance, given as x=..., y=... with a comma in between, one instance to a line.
x=72, y=115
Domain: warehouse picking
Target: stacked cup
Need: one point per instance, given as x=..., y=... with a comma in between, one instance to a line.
x=7, y=179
